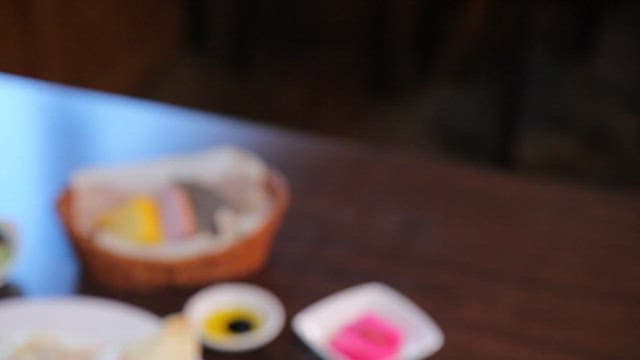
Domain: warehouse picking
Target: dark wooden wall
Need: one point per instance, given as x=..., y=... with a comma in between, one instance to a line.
x=109, y=45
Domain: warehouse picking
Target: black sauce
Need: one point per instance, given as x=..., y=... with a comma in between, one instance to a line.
x=240, y=326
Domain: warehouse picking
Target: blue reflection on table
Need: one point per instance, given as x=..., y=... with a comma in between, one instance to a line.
x=47, y=131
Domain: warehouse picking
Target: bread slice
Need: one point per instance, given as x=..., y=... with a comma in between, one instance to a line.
x=174, y=341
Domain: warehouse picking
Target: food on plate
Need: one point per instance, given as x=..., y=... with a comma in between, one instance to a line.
x=369, y=337
x=174, y=341
x=44, y=347
x=368, y=321
x=168, y=222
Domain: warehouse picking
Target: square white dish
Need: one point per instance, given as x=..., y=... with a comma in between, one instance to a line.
x=317, y=323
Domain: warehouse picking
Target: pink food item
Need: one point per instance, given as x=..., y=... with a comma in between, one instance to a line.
x=368, y=338
x=177, y=213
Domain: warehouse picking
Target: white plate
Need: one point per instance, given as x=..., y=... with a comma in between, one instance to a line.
x=316, y=324
x=76, y=320
x=243, y=295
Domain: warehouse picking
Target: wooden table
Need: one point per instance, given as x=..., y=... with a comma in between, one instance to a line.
x=511, y=268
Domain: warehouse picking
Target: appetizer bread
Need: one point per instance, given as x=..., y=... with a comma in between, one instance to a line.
x=181, y=221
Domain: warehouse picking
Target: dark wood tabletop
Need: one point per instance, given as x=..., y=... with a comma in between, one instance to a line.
x=510, y=268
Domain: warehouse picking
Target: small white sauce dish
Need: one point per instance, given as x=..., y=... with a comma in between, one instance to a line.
x=319, y=322
x=229, y=297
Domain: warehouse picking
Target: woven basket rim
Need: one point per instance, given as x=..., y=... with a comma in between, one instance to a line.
x=276, y=182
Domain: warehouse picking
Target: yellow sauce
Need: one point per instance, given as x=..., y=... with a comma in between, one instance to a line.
x=223, y=325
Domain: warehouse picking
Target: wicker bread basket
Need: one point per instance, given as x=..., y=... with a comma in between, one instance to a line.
x=123, y=273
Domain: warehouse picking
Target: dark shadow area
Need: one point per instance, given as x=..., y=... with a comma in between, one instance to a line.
x=9, y=290
x=543, y=88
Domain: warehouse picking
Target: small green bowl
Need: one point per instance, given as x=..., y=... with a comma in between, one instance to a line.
x=7, y=250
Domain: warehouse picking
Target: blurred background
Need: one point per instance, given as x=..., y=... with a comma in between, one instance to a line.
x=545, y=88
